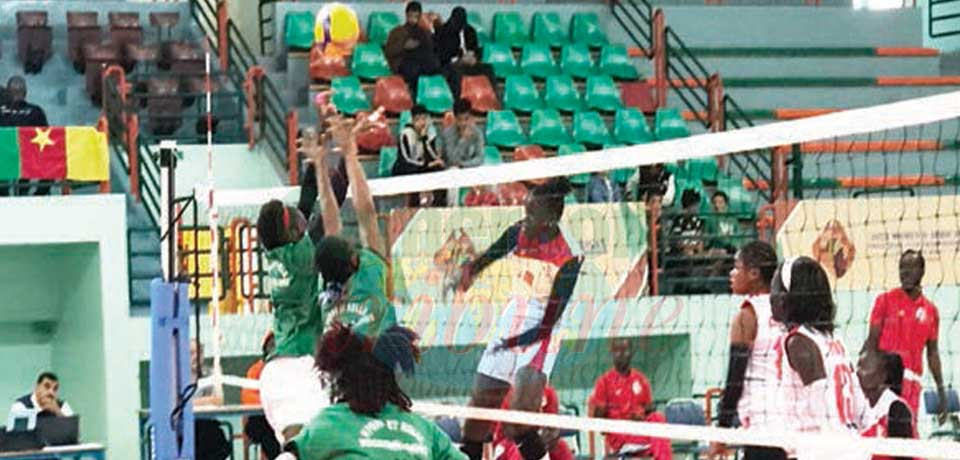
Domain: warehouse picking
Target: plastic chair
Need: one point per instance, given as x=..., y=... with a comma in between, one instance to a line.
x=82, y=28
x=388, y=156
x=589, y=129
x=125, y=29
x=375, y=139
x=638, y=94
x=615, y=62
x=503, y=129
x=509, y=29
x=704, y=169
x=325, y=68
x=630, y=127
x=474, y=19
x=669, y=124
x=491, y=155
x=576, y=61
x=348, y=95
x=97, y=56
x=548, y=29
x=479, y=91
x=537, y=61
x=392, y=94
x=500, y=57
x=528, y=152
x=585, y=28
x=164, y=105
x=546, y=128
x=602, y=93
x=561, y=94
x=368, y=62
x=298, y=30
x=931, y=404
x=34, y=40
x=379, y=25
x=520, y=93
x=685, y=412
x=434, y=94
x=573, y=149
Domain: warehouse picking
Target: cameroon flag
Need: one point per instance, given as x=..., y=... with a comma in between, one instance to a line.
x=57, y=153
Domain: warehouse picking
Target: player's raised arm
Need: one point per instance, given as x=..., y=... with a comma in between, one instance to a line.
x=345, y=134
x=317, y=180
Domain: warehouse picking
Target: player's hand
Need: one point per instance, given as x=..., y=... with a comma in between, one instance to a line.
x=942, y=413
x=717, y=451
x=312, y=147
x=50, y=404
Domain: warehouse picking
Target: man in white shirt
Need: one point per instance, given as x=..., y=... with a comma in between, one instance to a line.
x=44, y=399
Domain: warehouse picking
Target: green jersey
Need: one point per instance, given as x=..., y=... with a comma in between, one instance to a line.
x=339, y=433
x=293, y=288
x=364, y=305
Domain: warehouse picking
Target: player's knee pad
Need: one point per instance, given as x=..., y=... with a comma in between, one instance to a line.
x=531, y=446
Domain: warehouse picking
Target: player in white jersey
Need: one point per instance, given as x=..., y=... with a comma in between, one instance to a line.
x=752, y=378
x=817, y=379
x=889, y=416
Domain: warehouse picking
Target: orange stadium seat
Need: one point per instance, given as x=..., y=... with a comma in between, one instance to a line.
x=478, y=90
x=326, y=68
x=164, y=105
x=392, y=94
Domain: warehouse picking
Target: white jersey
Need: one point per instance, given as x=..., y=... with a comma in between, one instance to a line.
x=761, y=403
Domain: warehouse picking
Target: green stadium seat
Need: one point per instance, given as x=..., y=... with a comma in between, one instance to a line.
x=547, y=129
x=368, y=62
x=520, y=93
x=548, y=29
x=434, y=94
x=740, y=199
x=503, y=129
x=561, y=93
x=602, y=93
x=388, y=156
x=589, y=129
x=492, y=156
x=573, y=149
x=630, y=127
x=669, y=124
x=298, y=30
x=403, y=121
x=348, y=95
x=537, y=61
x=509, y=29
x=379, y=25
x=474, y=19
x=500, y=57
x=703, y=168
x=585, y=28
x=620, y=176
x=576, y=61
x=615, y=62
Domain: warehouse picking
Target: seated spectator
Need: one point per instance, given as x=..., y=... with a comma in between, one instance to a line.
x=418, y=154
x=722, y=227
x=256, y=427
x=15, y=111
x=651, y=183
x=505, y=448
x=601, y=189
x=624, y=393
x=689, y=264
x=409, y=49
x=44, y=399
x=462, y=142
x=459, y=51
x=687, y=229
x=210, y=442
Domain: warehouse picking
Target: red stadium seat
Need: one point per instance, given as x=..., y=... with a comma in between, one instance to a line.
x=392, y=94
x=97, y=58
x=125, y=29
x=164, y=20
x=528, y=152
x=82, y=28
x=478, y=90
x=325, y=68
x=374, y=139
x=164, y=106
x=638, y=95
x=34, y=40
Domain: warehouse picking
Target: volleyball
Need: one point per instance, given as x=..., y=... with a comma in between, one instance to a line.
x=336, y=23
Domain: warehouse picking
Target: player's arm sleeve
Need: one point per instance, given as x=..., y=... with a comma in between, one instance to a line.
x=733, y=388
x=308, y=191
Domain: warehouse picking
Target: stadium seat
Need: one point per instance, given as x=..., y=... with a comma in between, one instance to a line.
x=537, y=61
x=548, y=29
x=479, y=91
x=528, y=152
x=388, y=156
x=561, y=93
x=500, y=57
x=685, y=412
x=503, y=129
x=164, y=105
x=740, y=199
x=348, y=95
x=585, y=28
x=324, y=68
x=576, y=61
x=704, y=169
x=474, y=19
x=142, y=54
x=639, y=95
x=374, y=139
x=164, y=20
x=392, y=94
x=615, y=62
x=34, y=40
x=602, y=93
x=379, y=25
x=434, y=94
x=509, y=29
x=589, y=129
x=546, y=128
x=368, y=62
x=82, y=28
x=298, y=30
x=573, y=149
x=520, y=93
x=97, y=56
x=669, y=124
x=403, y=120
x=492, y=156
x=124, y=30
x=630, y=127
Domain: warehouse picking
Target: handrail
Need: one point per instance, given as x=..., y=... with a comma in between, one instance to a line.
x=254, y=95
x=952, y=18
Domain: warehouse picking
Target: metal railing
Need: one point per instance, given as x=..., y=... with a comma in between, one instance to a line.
x=266, y=17
x=945, y=13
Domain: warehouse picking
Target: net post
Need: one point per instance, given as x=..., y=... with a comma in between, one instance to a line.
x=293, y=123
x=660, y=57
x=653, y=216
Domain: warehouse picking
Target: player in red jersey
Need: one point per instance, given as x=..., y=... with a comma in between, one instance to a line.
x=905, y=322
x=889, y=416
x=505, y=449
x=623, y=393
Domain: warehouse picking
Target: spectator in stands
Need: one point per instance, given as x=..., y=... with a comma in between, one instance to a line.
x=624, y=393
x=688, y=228
x=418, y=154
x=16, y=111
x=721, y=226
x=44, y=399
x=651, y=183
x=409, y=49
x=210, y=443
x=602, y=189
x=462, y=142
x=687, y=248
x=459, y=51
x=256, y=427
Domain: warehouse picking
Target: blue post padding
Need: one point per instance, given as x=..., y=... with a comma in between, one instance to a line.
x=170, y=370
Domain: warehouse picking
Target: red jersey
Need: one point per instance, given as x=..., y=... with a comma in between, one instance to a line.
x=625, y=397
x=906, y=326
x=505, y=449
x=555, y=251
